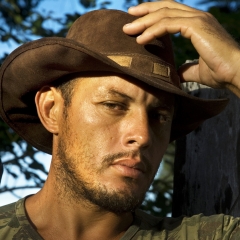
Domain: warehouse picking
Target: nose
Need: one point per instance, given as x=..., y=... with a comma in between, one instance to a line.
x=137, y=132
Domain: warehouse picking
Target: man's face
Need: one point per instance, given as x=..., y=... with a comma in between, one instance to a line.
x=111, y=141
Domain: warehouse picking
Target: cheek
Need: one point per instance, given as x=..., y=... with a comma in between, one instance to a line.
x=89, y=140
x=99, y=130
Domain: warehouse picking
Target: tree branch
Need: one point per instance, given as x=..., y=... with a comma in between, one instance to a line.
x=6, y=189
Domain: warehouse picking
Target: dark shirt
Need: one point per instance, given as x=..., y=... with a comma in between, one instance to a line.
x=14, y=224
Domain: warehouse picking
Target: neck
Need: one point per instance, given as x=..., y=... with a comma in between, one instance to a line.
x=56, y=216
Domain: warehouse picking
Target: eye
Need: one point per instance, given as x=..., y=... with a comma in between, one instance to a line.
x=117, y=106
x=159, y=116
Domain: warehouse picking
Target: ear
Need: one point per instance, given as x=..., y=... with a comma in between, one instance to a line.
x=49, y=103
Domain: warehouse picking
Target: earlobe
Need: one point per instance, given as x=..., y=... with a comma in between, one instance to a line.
x=48, y=103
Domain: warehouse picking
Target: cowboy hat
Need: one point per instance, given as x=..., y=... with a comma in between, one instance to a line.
x=95, y=42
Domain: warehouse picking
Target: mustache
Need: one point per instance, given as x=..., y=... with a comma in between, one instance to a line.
x=110, y=158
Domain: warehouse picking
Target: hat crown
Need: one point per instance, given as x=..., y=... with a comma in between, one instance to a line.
x=102, y=30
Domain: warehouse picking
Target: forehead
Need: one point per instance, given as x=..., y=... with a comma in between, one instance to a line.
x=102, y=85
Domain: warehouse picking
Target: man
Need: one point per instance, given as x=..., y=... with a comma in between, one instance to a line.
x=106, y=108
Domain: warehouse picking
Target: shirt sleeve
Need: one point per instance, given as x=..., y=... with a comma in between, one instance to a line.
x=197, y=227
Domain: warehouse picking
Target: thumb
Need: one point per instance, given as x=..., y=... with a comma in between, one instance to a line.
x=189, y=71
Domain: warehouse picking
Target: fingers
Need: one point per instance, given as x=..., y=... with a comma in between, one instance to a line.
x=192, y=73
x=206, y=35
x=188, y=72
x=201, y=73
x=161, y=22
x=149, y=7
x=161, y=28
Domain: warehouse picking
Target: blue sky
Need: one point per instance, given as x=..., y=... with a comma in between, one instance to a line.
x=59, y=8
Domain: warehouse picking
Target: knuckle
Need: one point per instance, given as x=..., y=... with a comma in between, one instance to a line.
x=206, y=17
x=202, y=19
x=164, y=10
x=208, y=14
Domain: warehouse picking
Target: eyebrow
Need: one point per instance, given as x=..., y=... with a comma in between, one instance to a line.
x=158, y=104
x=115, y=92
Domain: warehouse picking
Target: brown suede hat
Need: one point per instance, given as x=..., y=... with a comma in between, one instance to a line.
x=95, y=42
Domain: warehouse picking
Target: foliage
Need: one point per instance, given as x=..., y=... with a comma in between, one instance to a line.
x=158, y=200
x=229, y=18
x=93, y=3
x=20, y=20
x=233, y=4
x=19, y=159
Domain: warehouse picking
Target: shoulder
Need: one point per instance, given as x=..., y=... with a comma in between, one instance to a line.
x=14, y=223
x=9, y=223
x=196, y=227
x=6, y=213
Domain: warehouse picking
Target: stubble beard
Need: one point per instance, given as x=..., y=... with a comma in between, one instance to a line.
x=79, y=191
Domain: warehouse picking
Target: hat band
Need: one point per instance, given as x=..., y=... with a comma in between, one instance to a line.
x=148, y=67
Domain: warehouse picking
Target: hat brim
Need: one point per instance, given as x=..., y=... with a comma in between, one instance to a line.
x=41, y=62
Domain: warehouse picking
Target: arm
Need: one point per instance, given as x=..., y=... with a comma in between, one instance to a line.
x=219, y=54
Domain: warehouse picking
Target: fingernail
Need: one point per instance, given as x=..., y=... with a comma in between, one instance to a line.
x=132, y=7
x=138, y=37
x=127, y=25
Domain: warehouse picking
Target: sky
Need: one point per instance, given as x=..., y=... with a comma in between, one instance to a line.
x=59, y=8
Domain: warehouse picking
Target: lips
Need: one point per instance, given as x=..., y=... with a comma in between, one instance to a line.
x=129, y=167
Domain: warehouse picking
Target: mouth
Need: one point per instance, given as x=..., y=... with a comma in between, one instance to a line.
x=129, y=167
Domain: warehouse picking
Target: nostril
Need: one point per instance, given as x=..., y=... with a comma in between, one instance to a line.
x=131, y=141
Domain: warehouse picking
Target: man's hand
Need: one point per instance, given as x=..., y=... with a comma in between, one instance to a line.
x=219, y=54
